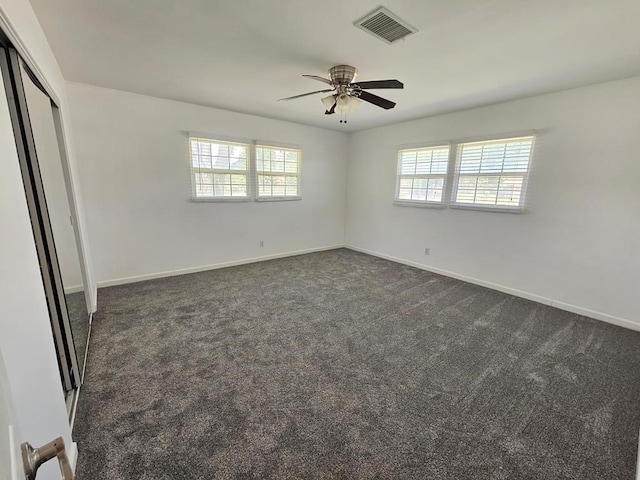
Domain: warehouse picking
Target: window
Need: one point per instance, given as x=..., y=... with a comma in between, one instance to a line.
x=278, y=172
x=219, y=169
x=492, y=174
x=422, y=175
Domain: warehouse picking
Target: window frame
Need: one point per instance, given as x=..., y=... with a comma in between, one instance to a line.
x=256, y=174
x=488, y=207
x=213, y=171
x=251, y=172
x=445, y=176
x=450, y=190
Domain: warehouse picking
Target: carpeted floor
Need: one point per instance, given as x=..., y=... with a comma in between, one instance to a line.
x=341, y=365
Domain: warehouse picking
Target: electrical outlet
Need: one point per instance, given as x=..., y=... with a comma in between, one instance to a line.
x=427, y=251
x=262, y=243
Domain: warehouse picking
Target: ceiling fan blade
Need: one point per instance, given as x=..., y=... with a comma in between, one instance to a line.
x=315, y=77
x=332, y=110
x=376, y=100
x=379, y=84
x=305, y=94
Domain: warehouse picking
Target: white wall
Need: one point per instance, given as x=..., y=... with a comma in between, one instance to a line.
x=135, y=175
x=577, y=243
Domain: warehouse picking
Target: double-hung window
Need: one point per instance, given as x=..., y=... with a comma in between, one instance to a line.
x=220, y=170
x=422, y=175
x=486, y=175
x=235, y=170
x=277, y=172
x=492, y=174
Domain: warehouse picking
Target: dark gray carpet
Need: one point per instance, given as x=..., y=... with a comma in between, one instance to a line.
x=341, y=365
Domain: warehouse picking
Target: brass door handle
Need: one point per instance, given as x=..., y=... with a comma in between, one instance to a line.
x=32, y=458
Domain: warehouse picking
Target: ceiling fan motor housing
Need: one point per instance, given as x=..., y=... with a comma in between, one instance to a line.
x=342, y=74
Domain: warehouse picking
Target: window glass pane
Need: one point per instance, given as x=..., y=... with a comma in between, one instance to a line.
x=406, y=183
x=278, y=184
x=291, y=157
x=509, y=191
x=204, y=190
x=496, y=156
x=417, y=168
x=436, y=183
x=404, y=194
x=238, y=164
x=221, y=178
x=204, y=178
x=291, y=167
x=408, y=163
x=238, y=190
x=239, y=179
x=487, y=190
x=466, y=190
x=219, y=157
x=435, y=188
x=434, y=195
x=440, y=161
x=420, y=183
x=423, y=162
x=419, y=194
x=510, y=156
x=291, y=187
x=278, y=161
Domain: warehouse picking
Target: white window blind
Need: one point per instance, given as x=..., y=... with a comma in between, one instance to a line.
x=422, y=174
x=219, y=169
x=493, y=174
x=278, y=171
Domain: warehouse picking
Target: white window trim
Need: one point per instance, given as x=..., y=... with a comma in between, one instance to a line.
x=418, y=204
x=280, y=198
x=422, y=203
x=491, y=208
x=193, y=171
x=252, y=187
x=451, y=179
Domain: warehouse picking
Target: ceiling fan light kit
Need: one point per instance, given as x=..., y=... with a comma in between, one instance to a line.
x=347, y=93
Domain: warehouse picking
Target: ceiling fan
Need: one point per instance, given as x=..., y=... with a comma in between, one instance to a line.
x=347, y=93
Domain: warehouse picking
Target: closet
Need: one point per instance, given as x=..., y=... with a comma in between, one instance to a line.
x=42, y=153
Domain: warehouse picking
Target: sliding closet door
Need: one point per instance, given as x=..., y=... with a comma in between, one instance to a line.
x=14, y=77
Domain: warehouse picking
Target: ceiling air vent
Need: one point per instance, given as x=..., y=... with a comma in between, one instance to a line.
x=385, y=25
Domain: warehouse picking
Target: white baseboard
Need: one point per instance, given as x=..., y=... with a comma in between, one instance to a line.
x=204, y=268
x=75, y=289
x=621, y=322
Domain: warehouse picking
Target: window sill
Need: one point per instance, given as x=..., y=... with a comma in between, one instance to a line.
x=220, y=200
x=278, y=199
x=517, y=210
x=402, y=203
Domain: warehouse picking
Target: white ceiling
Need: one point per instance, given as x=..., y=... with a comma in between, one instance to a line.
x=243, y=55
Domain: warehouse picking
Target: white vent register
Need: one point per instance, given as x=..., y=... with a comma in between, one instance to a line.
x=385, y=25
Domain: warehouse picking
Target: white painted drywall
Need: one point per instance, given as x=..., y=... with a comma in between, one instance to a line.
x=26, y=341
x=577, y=243
x=19, y=22
x=135, y=175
